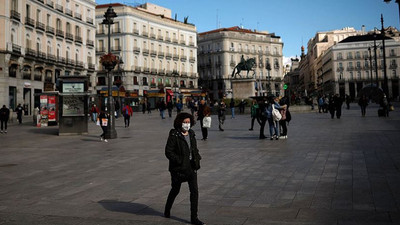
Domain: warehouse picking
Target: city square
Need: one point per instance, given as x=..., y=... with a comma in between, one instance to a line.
x=328, y=171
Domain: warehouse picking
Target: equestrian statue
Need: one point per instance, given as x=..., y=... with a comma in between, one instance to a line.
x=244, y=65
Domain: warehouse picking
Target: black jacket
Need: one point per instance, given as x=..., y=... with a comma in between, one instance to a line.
x=4, y=114
x=177, y=151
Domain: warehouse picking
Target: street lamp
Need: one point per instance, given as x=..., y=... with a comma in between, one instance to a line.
x=385, y=79
x=110, y=133
x=370, y=62
x=268, y=67
x=398, y=3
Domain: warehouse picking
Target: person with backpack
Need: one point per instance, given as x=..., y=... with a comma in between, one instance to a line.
x=273, y=119
x=127, y=112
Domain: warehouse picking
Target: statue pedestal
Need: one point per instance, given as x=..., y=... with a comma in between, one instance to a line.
x=243, y=88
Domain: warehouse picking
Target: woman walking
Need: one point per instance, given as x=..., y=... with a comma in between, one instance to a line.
x=254, y=113
x=363, y=102
x=184, y=161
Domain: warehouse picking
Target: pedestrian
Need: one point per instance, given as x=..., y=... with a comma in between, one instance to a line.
x=178, y=106
x=19, y=110
x=254, y=111
x=263, y=116
x=200, y=116
x=232, y=106
x=117, y=109
x=348, y=101
x=331, y=106
x=191, y=106
x=273, y=124
x=385, y=106
x=283, y=122
x=363, y=103
x=4, y=115
x=338, y=101
x=143, y=107
x=103, y=122
x=161, y=107
x=127, y=113
x=170, y=107
x=148, y=107
x=95, y=111
x=184, y=162
x=242, y=105
x=321, y=104
x=221, y=114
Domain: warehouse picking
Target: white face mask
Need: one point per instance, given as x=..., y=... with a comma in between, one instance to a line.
x=185, y=126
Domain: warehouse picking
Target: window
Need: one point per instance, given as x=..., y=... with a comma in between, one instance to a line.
x=145, y=81
x=135, y=80
x=359, y=75
x=14, y=5
x=339, y=56
x=59, y=25
x=28, y=11
x=38, y=15
x=48, y=20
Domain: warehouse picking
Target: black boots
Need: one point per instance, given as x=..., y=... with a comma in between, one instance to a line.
x=196, y=221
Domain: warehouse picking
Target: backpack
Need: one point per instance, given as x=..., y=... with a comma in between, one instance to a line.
x=288, y=116
x=276, y=115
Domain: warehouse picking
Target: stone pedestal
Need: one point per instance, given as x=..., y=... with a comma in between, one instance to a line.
x=243, y=88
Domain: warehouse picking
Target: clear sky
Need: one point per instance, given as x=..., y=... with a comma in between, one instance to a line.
x=295, y=21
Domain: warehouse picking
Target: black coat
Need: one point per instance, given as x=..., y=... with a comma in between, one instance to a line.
x=177, y=151
x=4, y=114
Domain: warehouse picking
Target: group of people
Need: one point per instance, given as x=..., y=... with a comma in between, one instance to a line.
x=5, y=116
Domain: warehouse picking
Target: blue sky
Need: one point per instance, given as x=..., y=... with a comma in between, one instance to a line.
x=295, y=21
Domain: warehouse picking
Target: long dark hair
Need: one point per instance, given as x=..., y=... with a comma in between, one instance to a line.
x=180, y=118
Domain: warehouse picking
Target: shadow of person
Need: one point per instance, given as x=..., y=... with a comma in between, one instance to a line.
x=134, y=208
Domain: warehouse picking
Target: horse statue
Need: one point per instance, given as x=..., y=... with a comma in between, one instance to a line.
x=244, y=65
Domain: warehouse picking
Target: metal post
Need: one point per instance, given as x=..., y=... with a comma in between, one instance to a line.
x=376, y=61
x=370, y=62
x=385, y=80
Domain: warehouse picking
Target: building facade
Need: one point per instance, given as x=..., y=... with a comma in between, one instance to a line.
x=41, y=40
x=350, y=65
x=221, y=50
x=310, y=63
x=158, y=52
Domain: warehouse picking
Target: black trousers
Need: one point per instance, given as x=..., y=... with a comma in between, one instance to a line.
x=262, y=125
x=5, y=124
x=204, y=131
x=176, y=182
x=252, y=121
x=127, y=119
x=284, y=127
x=104, y=128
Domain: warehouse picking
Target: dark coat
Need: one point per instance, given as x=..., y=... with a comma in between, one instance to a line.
x=178, y=152
x=4, y=114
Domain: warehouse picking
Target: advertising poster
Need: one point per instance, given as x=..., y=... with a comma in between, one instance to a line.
x=52, y=108
x=44, y=113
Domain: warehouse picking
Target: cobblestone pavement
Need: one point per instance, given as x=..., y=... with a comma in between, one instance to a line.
x=329, y=171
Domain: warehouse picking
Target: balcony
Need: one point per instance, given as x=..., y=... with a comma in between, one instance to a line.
x=182, y=42
x=41, y=55
x=168, y=55
x=29, y=22
x=153, y=71
x=144, y=33
x=146, y=70
x=153, y=53
x=78, y=39
x=15, y=15
x=61, y=60
x=135, y=31
x=70, y=62
x=30, y=52
x=183, y=58
x=89, y=43
x=340, y=69
x=68, y=12
x=167, y=39
x=100, y=32
x=40, y=26
x=89, y=20
x=37, y=77
x=69, y=36
x=50, y=30
x=153, y=36
x=100, y=50
x=350, y=68
x=116, y=48
x=59, y=8
x=51, y=57
x=79, y=64
x=16, y=48
x=192, y=59
x=175, y=41
x=91, y=66
x=78, y=16
x=138, y=69
x=136, y=50
x=27, y=75
x=50, y=3
x=160, y=37
x=60, y=33
x=145, y=51
x=161, y=54
x=393, y=66
x=232, y=63
x=191, y=43
x=175, y=57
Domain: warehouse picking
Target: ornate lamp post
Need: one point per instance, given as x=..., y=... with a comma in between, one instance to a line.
x=268, y=67
x=109, y=61
x=385, y=79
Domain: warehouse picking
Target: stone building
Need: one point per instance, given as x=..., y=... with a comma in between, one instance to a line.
x=41, y=40
x=158, y=53
x=221, y=50
x=346, y=66
x=310, y=63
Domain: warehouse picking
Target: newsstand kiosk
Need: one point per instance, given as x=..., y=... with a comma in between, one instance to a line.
x=73, y=105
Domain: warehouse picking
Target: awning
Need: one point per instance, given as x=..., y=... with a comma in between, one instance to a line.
x=169, y=92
